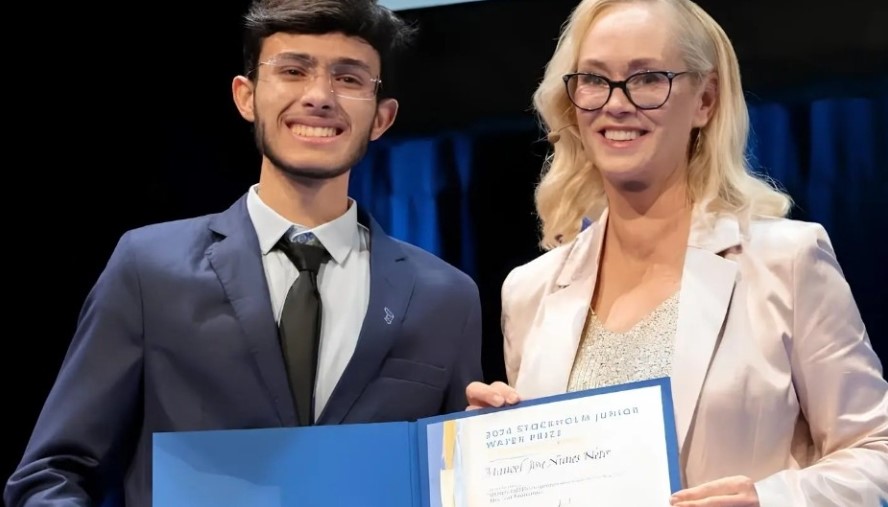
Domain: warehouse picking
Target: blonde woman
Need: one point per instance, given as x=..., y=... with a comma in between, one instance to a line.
x=690, y=270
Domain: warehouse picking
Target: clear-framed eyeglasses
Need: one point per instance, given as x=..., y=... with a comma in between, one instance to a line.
x=348, y=79
x=645, y=90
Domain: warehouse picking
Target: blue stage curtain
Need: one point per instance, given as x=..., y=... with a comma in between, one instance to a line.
x=416, y=188
x=468, y=196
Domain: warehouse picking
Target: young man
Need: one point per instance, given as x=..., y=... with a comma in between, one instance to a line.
x=215, y=322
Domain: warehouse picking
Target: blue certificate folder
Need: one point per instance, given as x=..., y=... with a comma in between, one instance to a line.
x=354, y=465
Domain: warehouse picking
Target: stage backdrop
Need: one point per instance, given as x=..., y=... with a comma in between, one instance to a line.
x=449, y=193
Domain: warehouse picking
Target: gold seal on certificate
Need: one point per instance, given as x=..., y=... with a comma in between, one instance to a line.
x=609, y=446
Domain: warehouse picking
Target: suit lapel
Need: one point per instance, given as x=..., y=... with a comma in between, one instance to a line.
x=707, y=286
x=237, y=261
x=706, y=289
x=548, y=359
x=391, y=284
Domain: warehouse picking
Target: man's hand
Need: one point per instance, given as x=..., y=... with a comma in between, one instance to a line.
x=497, y=394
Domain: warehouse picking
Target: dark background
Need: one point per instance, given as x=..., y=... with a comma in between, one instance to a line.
x=117, y=119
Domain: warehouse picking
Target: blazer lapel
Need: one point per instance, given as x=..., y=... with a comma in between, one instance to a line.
x=237, y=261
x=391, y=284
x=548, y=358
x=706, y=289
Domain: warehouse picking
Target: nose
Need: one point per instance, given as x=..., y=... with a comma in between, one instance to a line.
x=618, y=104
x=318, y=93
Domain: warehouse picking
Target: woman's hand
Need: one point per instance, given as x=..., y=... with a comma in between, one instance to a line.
x=737, y=491
x=497, y=394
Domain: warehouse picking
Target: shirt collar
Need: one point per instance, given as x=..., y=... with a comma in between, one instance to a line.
x=339, y=236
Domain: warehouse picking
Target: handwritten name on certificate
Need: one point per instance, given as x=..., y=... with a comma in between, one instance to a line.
x=603, y=449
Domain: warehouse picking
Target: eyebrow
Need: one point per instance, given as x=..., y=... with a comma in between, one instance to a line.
x=634, y=65
x=311, y=60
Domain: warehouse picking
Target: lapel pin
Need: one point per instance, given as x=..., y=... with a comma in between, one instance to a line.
x=389, y=316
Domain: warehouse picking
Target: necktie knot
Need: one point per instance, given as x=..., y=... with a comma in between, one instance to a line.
x=304, y=251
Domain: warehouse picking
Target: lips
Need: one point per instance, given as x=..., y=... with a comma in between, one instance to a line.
x=309, y=131
x=310, y=127
x=622, y=134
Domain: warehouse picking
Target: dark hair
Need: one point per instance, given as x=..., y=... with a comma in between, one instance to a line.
x=366, y=19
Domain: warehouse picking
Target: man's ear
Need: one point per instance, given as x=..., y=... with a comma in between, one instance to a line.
x=386, y=111
x=242, y=92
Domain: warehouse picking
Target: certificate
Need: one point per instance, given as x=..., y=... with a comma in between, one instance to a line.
x=606, y=447
x=612, y=446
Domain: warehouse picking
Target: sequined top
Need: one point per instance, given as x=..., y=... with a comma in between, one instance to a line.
x=643, y=352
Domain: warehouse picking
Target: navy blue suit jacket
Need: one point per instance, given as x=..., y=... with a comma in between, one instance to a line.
x=178, y=334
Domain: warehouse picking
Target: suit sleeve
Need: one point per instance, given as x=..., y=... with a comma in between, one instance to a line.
x=841, y=390
x=467, y=364
x=83, y=437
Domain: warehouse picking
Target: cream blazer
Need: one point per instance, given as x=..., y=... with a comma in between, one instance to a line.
x=773, y=377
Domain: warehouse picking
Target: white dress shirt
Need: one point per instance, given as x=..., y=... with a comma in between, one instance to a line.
x=343, y=282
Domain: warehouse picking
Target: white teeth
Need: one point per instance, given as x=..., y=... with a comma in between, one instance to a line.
x=621, y=135
x=306, y=131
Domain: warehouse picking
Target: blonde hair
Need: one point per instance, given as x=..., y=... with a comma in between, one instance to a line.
x=719, y=177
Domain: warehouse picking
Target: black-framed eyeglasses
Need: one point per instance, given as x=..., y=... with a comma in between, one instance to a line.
x=645, y=90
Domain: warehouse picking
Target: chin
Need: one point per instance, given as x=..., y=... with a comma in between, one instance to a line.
x=306, y=162
x=320, y=167
x=619, y=169
x=308, y=171
x=626, y=176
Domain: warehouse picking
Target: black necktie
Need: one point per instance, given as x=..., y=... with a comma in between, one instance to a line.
x=300, y=324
